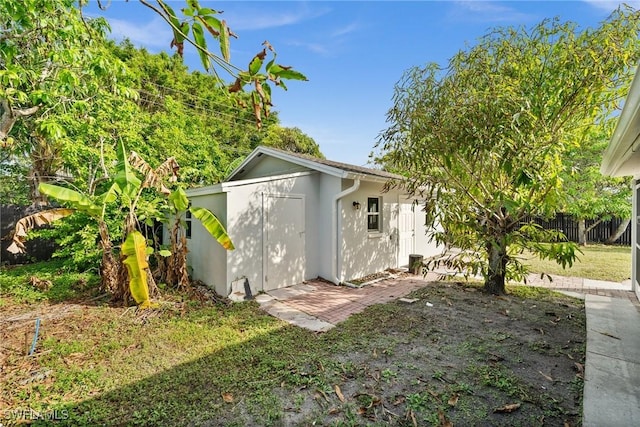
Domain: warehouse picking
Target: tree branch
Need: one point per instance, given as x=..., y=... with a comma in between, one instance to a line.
x=10, y=116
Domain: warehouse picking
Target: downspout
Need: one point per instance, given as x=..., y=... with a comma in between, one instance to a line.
x=634, y=235
x=335, y=230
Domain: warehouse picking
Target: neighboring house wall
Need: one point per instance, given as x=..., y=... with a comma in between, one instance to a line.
x=635, y=236
x=622, y=158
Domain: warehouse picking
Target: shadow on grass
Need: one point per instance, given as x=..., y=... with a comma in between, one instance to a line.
x=229, y=386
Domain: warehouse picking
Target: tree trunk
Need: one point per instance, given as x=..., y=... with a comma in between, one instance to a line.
x=495, y=280
x=109, y=267
x=619, y=232
x=582, y=232
x=114, y=277
x=46, y=160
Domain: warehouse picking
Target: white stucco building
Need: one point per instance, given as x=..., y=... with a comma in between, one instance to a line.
x=622, y=158
x=292, y=217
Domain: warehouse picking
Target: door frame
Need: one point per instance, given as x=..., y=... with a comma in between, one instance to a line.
x=412, y=202
x=265, y=207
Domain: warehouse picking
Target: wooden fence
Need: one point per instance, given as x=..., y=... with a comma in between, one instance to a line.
x=599, y=234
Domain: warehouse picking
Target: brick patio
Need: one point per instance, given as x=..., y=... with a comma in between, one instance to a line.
x=334, y=304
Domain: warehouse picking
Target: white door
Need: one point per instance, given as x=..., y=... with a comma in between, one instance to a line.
x=406, y=233
x=284, y=241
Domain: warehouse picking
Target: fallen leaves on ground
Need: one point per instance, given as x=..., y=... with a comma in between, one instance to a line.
x=444, y=422
x=453, y=401
x=507, y=408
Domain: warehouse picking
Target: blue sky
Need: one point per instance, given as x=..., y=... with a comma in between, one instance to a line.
x=353, y=52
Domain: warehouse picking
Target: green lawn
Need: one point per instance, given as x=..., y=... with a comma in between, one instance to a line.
x=612, y=263
x=192, y=362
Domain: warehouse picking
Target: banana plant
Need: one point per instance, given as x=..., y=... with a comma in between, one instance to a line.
x=95, y=207
x=176, y=267
x=127, y=188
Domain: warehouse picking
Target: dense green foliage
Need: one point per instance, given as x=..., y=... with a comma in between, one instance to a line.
x=487, y=136
x=70, y=97
x=587, y=194
x=54, y=67
x=177, y=112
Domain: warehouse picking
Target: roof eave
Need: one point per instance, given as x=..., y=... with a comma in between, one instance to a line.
x=625, y=137
x=284, y=156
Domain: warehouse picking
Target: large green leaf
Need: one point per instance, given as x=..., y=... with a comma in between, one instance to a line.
x=135, y=250
x=256, y=64
x=125, y=178
x=292, y=75
x=75, y=199
x=179, y=199
x=171, y=15
x=211, y=23
x=225, y=48
x=286, y=72
x=198, y=35
x=213, y=225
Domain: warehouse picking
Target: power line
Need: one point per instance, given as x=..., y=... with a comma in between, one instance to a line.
x=195, y=97
x=174, y=90
x=232, y=119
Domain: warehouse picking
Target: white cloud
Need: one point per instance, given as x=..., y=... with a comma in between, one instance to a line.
x=486, y=11
x=313, y=47
x=332, y=42
x=246, y=18
x=611, y=5
x=152, y=35
x=347, y=29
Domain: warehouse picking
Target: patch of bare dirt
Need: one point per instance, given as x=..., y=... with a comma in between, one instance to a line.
x=456, y=356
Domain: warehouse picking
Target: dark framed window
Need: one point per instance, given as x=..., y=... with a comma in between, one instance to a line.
x=187, y=229
x=374, y=215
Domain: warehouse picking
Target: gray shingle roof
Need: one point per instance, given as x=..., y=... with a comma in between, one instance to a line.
x=344, y=166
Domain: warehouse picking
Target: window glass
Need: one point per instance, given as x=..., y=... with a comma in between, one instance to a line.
x=187, y=231
x=373, y=214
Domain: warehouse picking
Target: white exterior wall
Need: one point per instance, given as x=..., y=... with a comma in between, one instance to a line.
x=329, y=187
x=269, y=166
x=349, y=251
x=363, y=252
x=207, y=258
x=635, y=237
x=422, y=244
x=245, y=211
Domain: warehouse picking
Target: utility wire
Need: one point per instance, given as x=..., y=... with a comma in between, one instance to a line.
x=165, y=88
x=231, y=118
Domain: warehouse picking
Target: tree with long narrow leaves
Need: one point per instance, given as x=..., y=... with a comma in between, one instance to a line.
x=484, y=139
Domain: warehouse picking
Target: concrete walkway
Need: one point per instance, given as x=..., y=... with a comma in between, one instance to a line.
x=612, y=365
